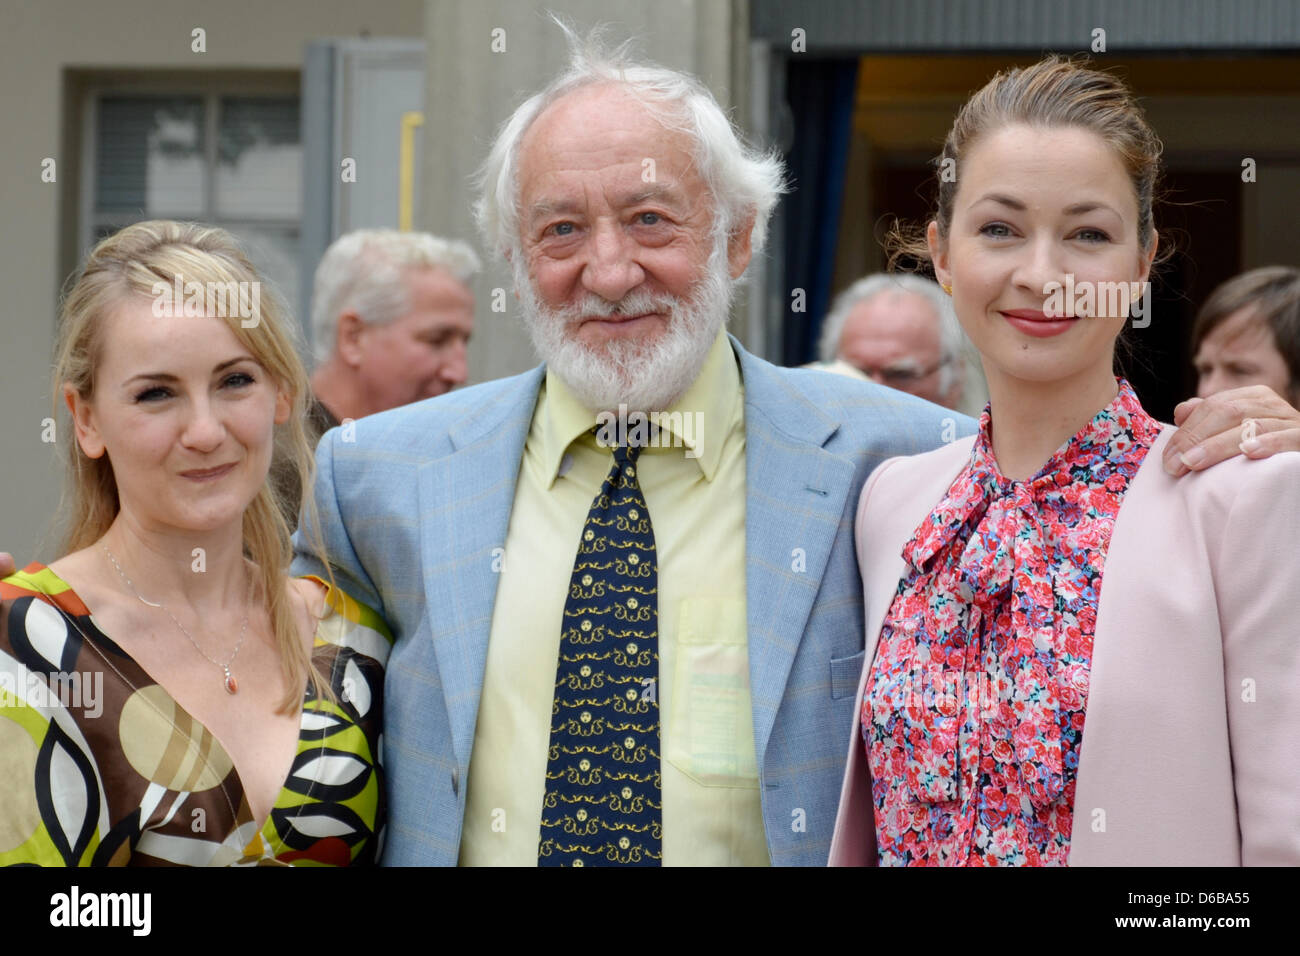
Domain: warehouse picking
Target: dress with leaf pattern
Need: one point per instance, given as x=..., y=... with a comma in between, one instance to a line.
x=99, y=766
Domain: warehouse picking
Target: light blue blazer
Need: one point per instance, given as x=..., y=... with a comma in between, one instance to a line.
x=415, y=504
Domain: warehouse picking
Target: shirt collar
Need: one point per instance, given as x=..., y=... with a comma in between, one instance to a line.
x=710, y=402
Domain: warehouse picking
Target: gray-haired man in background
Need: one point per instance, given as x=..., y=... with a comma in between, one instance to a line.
x=899, y=331
x=392, y=316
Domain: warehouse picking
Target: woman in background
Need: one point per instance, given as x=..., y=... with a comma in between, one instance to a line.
x=172, y=696
x=1071, y=657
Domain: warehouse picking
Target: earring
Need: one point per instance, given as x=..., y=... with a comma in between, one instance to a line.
x=946, y=287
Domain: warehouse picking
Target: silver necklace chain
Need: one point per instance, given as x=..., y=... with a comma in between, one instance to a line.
x=230, y=684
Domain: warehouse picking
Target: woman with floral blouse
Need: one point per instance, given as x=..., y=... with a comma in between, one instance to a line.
x=1071, y=657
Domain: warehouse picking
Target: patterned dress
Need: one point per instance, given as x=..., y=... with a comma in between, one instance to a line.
x=974, y=708
x=99, y=766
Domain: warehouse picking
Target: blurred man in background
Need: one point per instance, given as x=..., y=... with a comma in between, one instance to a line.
x=1248, y=333
x=899, y=331
x=392, y=316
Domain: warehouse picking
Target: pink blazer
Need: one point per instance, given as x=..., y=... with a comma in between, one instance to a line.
x=1191, y=741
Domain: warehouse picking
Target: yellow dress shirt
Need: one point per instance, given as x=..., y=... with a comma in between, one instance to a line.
x=696, y=496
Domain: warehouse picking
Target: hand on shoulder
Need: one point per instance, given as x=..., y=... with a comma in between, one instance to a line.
x=308, y=596
x=1253, y=421
x=311, y=593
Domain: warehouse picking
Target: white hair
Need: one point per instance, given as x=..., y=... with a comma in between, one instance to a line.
x=951, y=337
x=742, y=181
x=362, y=270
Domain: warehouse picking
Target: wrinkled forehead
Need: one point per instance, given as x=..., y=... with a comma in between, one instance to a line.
x=596, y=108
x=895, y=315
x=605, y=135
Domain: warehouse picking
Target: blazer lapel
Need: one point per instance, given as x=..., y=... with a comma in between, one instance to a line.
x=465, y=503
x=794, y=503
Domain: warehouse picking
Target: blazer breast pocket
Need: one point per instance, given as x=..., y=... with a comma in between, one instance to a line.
x=845, y=672
x=710, y=733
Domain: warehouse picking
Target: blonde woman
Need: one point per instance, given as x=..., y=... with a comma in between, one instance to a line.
x=1071, y=656
x=172, y=696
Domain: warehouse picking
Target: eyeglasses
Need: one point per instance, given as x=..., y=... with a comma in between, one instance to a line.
x=901, y=377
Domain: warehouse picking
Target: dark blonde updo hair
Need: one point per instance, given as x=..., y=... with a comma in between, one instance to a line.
x=128, y=264
x=1054, y=92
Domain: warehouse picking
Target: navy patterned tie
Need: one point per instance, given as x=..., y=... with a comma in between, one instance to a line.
x=603, y=805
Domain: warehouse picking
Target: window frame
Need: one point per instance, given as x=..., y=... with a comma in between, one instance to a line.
x=209, y=89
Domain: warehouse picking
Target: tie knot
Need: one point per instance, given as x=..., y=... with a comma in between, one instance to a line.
x=627, y=454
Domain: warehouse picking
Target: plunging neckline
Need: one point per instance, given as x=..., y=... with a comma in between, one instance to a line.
x=102, y=642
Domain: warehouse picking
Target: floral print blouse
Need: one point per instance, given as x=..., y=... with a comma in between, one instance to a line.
x=974, y=707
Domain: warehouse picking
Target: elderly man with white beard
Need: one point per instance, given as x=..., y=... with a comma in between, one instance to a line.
x=626, y=655
x=642, y=654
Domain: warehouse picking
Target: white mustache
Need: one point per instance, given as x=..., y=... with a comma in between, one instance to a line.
x=634, y=303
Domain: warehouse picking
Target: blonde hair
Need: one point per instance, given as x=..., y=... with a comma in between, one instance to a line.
x=131, y=263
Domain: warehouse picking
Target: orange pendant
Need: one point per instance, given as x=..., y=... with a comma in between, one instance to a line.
x=231, y=686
